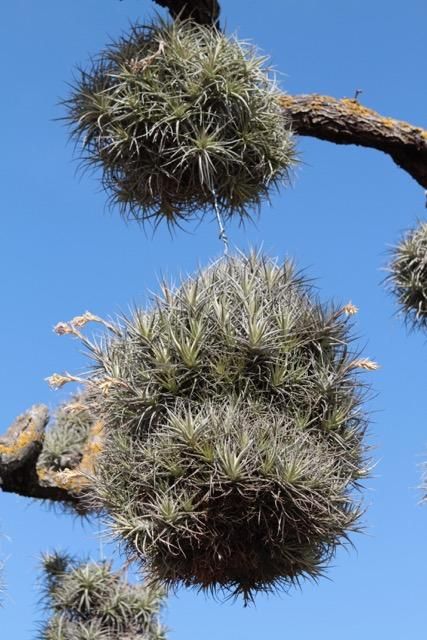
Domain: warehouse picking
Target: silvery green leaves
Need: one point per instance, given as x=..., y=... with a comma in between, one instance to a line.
x=180, y=118
x=64, y=441
x=234, y=432
x=408, y=276
x=89, y=601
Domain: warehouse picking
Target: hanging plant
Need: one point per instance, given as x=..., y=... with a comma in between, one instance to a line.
x=181, y=118
x=90, y=601
x=234, y=433
x=408, y=276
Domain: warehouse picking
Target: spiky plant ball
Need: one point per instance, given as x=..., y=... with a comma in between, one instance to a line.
x=178, y=116
x=234, y=434
x=408, y=275
x=89, y=601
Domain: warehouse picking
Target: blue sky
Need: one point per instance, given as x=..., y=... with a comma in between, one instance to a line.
x=62, y=252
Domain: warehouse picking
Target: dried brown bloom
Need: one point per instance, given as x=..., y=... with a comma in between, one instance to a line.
x=63, y=328
x=81, y=321
x=350, y=309
x=364, y=363
x=57, y=380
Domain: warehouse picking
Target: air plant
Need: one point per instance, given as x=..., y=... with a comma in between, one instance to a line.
x=181, y=119
x=67, y=436
x=90, y=601
x=408, y=276
x=71, y=445
x=234, y=431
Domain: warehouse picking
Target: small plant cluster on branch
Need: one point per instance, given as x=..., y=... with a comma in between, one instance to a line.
x=69, y=451
x=89, y=601
x=67, y=436
x=408, y=276
x=233, y=429
x=181, y=119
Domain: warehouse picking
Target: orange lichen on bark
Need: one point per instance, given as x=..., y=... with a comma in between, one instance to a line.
x=349, y=106
x=346, y=121
x=28, y=436
x=92, y=449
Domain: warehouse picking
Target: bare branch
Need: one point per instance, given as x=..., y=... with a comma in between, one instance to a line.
x=346, y=121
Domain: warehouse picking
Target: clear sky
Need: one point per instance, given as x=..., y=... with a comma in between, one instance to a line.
x=62, y=252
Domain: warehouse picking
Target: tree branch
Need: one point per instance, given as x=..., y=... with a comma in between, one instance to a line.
x=346, y=121
x=20, y=448
x=201, y=11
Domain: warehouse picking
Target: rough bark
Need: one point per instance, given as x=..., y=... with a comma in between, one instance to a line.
x=20, y=448
x=201, y=11
x=346, y=121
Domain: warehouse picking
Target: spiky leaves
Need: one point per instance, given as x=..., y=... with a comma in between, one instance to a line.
x=234, y=433
x=178, y=115
x=67, y=436
x=408, y=276
x=70, y=448
x=89, y=601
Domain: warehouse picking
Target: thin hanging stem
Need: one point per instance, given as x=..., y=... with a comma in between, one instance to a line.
x=222, y=232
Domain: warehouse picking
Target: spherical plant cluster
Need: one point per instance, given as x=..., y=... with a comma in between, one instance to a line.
x=67, y=436
x=89, y=601
x=408, y=276
x=180, y=119
x=234, y=433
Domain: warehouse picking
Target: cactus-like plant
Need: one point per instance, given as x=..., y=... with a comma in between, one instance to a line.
x=181, y=118
x=408, y=276
x=234, y=433
x=89, y=601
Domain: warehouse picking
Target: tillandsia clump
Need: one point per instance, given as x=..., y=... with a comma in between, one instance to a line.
x=408, y=276
x=181, y=119
x=67, y=436
x=234, y=433
x=70, y=449
x=90, y=601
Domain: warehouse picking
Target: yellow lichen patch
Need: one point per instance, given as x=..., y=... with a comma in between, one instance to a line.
x=285, y=101
x=354, y=105
x=69, y=480
x=92, y=449
x=28, y=436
